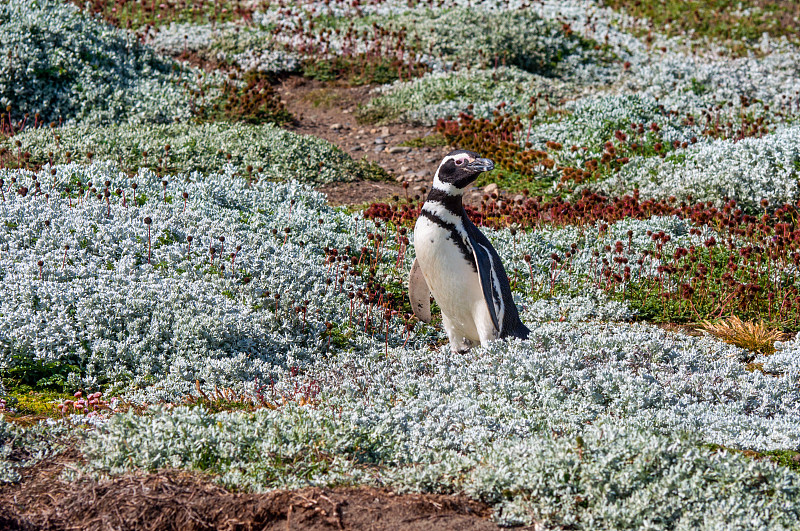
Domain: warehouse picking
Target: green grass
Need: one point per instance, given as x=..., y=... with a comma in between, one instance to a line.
x=37, y=403
x=788, y=458
x=513, y=182
x=721, y=20
x=323, y=97
x=27, y=374
x=432, y=141
x=714, y=296
x=372, y=171
x=360, y=70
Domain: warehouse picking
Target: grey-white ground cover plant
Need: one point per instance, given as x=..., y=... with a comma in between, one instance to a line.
x=478, y=91
x=142, y=311
x=457, y=37
x=451, y=37
x=67, y=66
x=747, y=171
x=584, y=424
x=586, y=400
x=247, y=48
x=58, y=311
x=683, y=74
x=274, y=152
x=649, y=86
x=25, y=446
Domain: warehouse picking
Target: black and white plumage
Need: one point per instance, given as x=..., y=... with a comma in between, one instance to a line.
x=457, y=264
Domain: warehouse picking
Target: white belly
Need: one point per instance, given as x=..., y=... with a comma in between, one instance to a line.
x=453, y=282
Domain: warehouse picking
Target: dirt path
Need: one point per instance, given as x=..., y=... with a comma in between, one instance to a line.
x=328, y=110
x=180, y=500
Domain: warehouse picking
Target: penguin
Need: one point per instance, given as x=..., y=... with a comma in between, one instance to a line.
x=457, y=265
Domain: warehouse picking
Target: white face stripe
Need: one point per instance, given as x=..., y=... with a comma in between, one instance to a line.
x=459, y=159
x=448, y=188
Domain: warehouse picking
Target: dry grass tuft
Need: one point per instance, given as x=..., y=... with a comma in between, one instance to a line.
x=755, y=337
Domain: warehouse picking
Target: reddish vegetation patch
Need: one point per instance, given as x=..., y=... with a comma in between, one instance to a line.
x=505, y=138
x=256, y=102
x=523, y=211
x=133, y=15
x=499, y=139
x=173, y=499
x=744, y=270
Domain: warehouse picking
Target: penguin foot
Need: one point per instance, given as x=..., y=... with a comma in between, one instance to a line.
x=461, y=347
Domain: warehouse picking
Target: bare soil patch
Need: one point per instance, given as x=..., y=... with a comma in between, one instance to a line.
x=328, y=110
x=174, y=499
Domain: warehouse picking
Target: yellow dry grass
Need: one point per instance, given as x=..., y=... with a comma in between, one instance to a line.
x=755, y=337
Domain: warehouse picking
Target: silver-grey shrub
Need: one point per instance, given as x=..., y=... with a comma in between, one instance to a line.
x=521, y=38
x=747, y=170
x=196, y=147
x=22, y=447
x=133, y=325
x=66, y=65
x=584, y=424
x=595, y=410
x=446, y=94
x=248, y=48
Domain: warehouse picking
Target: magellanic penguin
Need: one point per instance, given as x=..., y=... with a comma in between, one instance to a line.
x=457, y=264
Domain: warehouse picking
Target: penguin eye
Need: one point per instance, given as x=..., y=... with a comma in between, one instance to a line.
x=459, y=162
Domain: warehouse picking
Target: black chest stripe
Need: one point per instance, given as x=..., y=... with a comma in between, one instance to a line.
x=451, y=202
x=465, y=249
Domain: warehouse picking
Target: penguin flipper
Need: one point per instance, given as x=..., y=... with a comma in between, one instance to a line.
x=490, y=283
x=419, y=294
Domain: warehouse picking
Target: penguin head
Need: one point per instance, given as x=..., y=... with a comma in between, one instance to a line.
x=459, y=169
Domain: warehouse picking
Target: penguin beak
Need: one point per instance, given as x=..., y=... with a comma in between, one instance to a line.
x=481, y=165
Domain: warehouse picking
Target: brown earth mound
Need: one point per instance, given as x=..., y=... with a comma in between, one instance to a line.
x=173, y=499
x=328, y=110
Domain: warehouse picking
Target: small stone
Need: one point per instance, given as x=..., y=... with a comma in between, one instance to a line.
x=336, y=127
x=519, y=198
x=346, y=111
x=404, y=169
x=490, y=188
x=380, y=141
x=411, y=132
x=377, y=149
x=385, y=131
x=400, y=178
x=431, y=160
x=362, y=131
x=394, y=150
x=355, y=148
